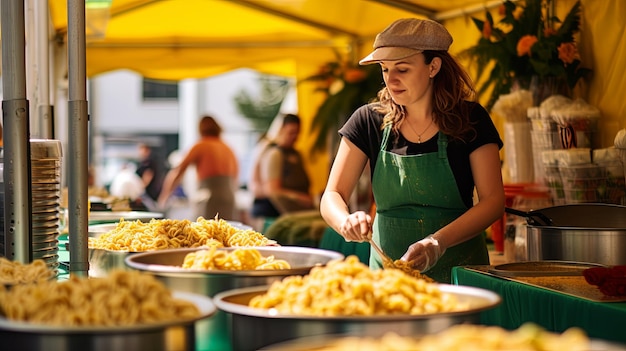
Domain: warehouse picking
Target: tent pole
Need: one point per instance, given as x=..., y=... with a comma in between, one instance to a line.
x=17, y=179
x=77, y=145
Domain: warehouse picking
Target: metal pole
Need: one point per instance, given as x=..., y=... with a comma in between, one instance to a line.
x=78, y=138
x=45, y=117
x=17, y=181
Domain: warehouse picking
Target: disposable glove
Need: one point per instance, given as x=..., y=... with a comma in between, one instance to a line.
x=424, y=254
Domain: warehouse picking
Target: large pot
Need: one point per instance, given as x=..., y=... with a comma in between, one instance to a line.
x=174, y=336
x=213, y=334
x=594, y=233
x=253, y=328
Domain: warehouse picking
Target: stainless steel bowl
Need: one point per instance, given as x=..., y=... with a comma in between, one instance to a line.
x=214, y=333
x=102, y=261
x=253, y=328
x=160, y=336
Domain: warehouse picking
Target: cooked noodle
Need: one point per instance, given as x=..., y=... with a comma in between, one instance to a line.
x=238, y=259
x=122, y=298
x=348, y=287
x=157, y=234
x=13, y=272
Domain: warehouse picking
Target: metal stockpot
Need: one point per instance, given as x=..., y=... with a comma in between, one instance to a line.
x=214, y=333
x=593, y=233
x=254, y=328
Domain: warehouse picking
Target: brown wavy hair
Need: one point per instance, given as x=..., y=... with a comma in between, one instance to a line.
x=208, y=126
x=451, y=87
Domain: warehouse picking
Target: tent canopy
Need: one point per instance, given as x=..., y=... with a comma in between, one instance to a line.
x=178, y=39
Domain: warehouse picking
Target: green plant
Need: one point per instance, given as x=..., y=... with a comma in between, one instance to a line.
x=346, y=86
x=527, y=43
x=262, y=109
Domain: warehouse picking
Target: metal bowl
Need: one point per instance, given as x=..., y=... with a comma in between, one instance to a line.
x=214, y=333
x=102, y=261
x=254, y=328
x=177, y=335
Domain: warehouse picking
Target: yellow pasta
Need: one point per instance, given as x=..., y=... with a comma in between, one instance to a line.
x=122, y=298
x=348, y=287
x=406, y=268
x=13, y=272
x=528, y=337
x=237, y=259
x=157, y=234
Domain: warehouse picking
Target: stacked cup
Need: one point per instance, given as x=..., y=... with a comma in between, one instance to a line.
x=46, y=190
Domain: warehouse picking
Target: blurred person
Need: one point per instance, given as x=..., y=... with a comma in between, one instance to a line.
x=280, y=183
x=152, y=172
x=127, y=184
x=217, y=172
x=429, y=145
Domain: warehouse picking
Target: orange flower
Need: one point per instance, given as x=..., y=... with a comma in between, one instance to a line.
x=502, y=10
x=567, y=52
x=487, y=30
x=519, y=11
x=548, y=32
x=525, y=43
x=354, y=75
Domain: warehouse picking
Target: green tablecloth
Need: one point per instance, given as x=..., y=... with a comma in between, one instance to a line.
x=554, y=311
x=331, y=240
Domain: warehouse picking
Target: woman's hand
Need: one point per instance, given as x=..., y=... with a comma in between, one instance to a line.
x=356, y=227
x=424, y=254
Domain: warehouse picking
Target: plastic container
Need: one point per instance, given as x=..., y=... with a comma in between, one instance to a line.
x=583, y=183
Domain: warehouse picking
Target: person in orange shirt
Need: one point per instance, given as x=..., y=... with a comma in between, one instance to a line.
x=217, y=171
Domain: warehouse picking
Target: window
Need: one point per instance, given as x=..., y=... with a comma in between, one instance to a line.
x=160, y=90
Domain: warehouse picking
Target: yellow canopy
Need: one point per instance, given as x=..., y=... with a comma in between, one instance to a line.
x=178, y=39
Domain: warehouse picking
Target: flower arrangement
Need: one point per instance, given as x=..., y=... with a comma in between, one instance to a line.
x=347, y=86
x=528, y=45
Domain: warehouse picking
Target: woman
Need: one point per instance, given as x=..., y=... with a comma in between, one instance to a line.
x=280, y=183
x=428, y=147
x=217, y=170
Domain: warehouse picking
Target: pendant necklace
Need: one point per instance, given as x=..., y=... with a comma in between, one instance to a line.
x=419, y=135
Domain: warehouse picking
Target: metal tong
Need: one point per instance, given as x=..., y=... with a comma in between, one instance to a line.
x=387, y=261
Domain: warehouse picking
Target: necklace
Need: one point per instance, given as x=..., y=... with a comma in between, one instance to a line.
x=419, y=135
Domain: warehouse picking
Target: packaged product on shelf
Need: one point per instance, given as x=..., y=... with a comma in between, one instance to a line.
x=577, y=123
x=609, y=159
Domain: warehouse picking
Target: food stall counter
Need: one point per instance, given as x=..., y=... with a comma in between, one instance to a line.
x=551, y=309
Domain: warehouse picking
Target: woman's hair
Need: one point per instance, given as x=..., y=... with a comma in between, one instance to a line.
x=290, y=118
x=451, y=86
x=209, y=127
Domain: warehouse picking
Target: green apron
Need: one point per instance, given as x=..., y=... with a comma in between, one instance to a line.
x=416, y=195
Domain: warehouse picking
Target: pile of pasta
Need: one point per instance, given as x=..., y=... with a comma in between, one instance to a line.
x=122, y=298
x=528, y=337
x=348, y=288
x=406, y=268
x=236, y=260
x=13, y=272
x=157, y=234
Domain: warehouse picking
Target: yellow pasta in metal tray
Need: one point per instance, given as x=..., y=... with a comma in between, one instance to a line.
x=348, y=288
x=157, y=234
x=122, y=298
x=237, y=259
x=13, y=272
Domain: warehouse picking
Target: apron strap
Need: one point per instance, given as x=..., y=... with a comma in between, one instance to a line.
x=442, y=145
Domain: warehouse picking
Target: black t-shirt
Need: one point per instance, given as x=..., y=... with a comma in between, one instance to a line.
x=153, y=189
x=363, y=129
